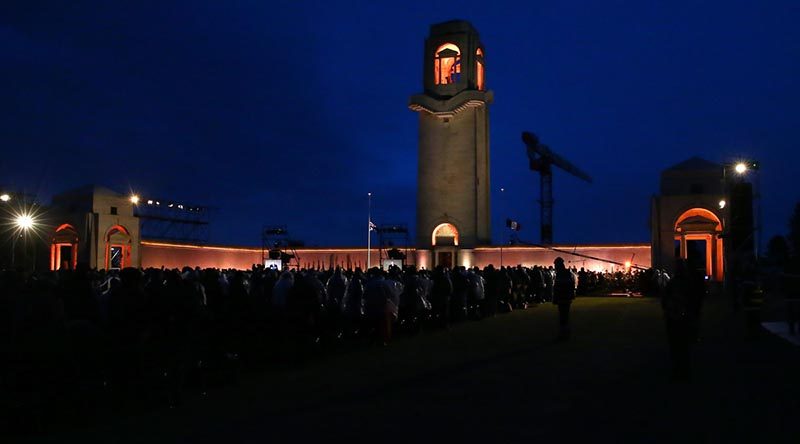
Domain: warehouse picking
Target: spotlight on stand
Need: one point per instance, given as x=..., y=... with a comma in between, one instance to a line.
x=275, y=231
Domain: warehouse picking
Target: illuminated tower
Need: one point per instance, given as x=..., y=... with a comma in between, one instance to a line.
x=453, y=171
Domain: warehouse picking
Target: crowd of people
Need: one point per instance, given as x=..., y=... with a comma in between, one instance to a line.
x=149, y=335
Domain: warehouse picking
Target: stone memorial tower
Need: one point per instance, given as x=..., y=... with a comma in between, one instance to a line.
x=453, y=172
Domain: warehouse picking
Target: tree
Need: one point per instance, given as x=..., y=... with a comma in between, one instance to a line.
x=778, y=251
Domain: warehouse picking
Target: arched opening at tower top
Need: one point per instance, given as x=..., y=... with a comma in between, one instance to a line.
x=447, y=64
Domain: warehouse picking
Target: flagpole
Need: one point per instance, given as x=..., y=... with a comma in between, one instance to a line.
x=369, y=230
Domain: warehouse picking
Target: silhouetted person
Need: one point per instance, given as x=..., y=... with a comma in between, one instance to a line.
x=336, y=289
x=414, y=304
x=440, y=295
x=583, y=282
x=353, y=304
x=547, y=292
x=681, y=303
x=475, y=293
x=458, y=301
x=520, y=290
x=504, y=288
x=563, y=294
x=281, y=290
x=489, y=306
x=381, y=300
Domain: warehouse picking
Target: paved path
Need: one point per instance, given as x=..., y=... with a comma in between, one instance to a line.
x=782, y=330
x=505, y=380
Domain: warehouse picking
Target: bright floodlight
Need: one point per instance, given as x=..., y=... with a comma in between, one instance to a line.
x=5, y=197
x=24, y=221
x=627, y=264
x=722, y=204
x=134, y=199
x=740, y=168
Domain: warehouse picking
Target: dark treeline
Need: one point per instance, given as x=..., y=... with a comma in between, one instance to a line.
x=88, y=342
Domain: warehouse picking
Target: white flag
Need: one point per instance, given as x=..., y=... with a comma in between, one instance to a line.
x=372, y=227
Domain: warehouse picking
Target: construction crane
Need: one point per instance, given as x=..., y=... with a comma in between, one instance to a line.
x=542, y=160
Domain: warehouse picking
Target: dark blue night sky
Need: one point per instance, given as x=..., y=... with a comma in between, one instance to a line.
x=289, y=112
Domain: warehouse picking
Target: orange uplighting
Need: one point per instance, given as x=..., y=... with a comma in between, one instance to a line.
x=699, y=212
x=65, y=236
x=479, y=81
x=445, y=230
x=63, y=227
x=447, y=64
x=118, y=237
x=701, y=224
x=627, y=265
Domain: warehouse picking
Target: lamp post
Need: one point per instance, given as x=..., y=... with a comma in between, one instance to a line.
x=730, y=248
x=23, y=223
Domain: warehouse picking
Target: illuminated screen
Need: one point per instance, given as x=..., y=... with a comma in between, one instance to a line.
x=389, y=262
x=275, y=264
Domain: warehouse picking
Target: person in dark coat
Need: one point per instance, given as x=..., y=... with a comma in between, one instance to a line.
x=475, y=293
x=547, y=292
x=489, y=306
x=440, y=295
x=458, y=301
x=336, y=289
x=563, y=293
x=505, y=285
x=681, y=303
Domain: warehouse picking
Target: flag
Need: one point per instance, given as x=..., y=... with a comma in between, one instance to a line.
x=372, y=227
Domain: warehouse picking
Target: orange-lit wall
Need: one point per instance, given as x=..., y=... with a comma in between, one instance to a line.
x=175, y=255
x=638, y=254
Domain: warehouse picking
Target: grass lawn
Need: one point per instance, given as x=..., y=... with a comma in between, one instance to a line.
x=504, y=379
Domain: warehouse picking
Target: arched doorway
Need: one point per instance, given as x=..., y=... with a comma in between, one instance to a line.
x=698, y=238
x=118, y=248
x=64, y=248
x=445, y=240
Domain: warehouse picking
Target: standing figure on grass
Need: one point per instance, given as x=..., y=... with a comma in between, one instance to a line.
x=681, y=303
x=563, y=293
